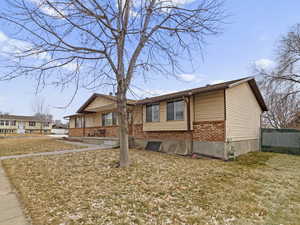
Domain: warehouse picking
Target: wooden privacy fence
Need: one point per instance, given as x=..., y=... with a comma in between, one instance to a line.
x=280, y=140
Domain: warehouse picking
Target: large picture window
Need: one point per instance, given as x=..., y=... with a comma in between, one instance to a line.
x=175, y=110
x=152, y=113
x=109, y=119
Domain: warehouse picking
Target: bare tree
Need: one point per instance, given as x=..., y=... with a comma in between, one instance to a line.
x=92, y=43
x=42, y=112
x=281, y=84
x=287, y=71
x=283, y=105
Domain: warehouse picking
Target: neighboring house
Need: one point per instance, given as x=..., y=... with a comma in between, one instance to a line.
x=23, y=124
x=60, y=129
x=215, y=120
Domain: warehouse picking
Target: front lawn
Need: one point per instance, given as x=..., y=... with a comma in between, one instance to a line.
x=87, y=188
x=17, y=146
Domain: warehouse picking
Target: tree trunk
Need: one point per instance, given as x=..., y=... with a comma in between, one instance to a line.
x=123, y=124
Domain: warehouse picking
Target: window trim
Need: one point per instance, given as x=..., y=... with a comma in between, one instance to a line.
x=174, y=113
x=151, y=105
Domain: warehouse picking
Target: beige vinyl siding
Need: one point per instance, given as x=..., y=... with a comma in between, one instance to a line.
x=242, y=113
x=93, y=120
x=209, y=106
x=99, y=102
x=72, y=122
x=163, y=124
x=137, y=114
x=90, y=120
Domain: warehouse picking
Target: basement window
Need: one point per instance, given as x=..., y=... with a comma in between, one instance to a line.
x=153, y=145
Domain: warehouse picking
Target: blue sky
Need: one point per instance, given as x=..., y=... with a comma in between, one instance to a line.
x=250, y=36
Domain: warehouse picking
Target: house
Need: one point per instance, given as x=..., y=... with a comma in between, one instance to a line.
x=215, y=120
x=23, y=124
x=59, y=129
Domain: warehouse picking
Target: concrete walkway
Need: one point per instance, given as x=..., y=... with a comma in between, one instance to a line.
x=10, y=210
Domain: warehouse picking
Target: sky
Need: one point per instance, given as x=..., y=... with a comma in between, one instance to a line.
x=249, y=37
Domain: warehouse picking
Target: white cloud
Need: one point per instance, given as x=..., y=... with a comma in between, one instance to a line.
x=189, y=77
x=10, y=46
x=3, y=37
x=264, y=64
x=46, y=8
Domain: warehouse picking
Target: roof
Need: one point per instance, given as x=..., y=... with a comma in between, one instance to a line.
x=95, y=95
x=208, y=88
x=22, y=118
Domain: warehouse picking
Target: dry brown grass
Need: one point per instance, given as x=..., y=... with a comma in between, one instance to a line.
x=17, y=146
x=86, y=188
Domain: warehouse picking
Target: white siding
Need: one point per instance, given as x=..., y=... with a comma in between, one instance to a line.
x=242, y=113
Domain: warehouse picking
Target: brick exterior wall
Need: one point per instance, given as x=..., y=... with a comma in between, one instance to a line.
x=111, y=131
x=209, y=131
x=160, y=135
x=75, y=132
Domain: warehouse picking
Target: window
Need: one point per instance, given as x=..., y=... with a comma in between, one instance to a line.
x=152, y=113
x=32, y=123
x=13, y=123
x=109, y=119
x=1, y=122
x=46, y=124
x=6, y=122
x=78, y=123
x=175, y=110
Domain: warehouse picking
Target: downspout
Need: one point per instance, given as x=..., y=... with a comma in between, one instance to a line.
x=225, y=115
x=188, y=118
x=84, y=125
x=226, y=142
x=187, y=100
